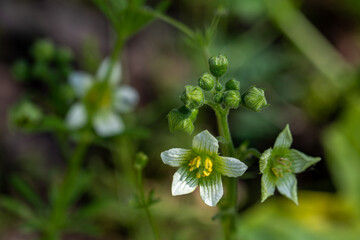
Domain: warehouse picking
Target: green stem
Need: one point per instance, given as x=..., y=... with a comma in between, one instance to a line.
x=63, y=199
x=149, y=216
x=179, y=25
x=114, y=56
x=227, y=148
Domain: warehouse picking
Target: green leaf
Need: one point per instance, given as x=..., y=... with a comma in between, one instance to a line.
x=300, y=161
x=16, y=207
x=26, y=191
x=287, y=186
x=284, y=140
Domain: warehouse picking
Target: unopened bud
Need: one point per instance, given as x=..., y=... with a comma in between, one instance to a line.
x=232, y=99
x=218, y=98
x=206, y=82
x=182, y=120
x=232, y=84
x=254, y=99
x=43, y=50
x=193, y=97
x=141, y=161
x=25, y=115
x=218, y=65
x=20, y=70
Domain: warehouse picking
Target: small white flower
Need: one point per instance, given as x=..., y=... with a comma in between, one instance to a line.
x=201, y=166
x=100, y=101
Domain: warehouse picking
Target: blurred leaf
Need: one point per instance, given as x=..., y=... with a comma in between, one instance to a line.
x=342, y=145
x=26, y=191
x=319, y=216
x=16, y=207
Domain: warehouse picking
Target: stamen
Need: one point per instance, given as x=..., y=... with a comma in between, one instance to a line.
x=206, y=173
x=198, y=175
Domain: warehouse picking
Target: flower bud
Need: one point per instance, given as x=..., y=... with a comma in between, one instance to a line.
x=40, y=70
x=64, y=55
x=43, y=50
x=232, y=99
x=206, y=82
x=232, y=84
x=218, y=65
x=218, y=98
x=218, y=87
x=141, y=161
x=182, y=119
x=20, y=70
x=193, y=97
x=25, y=115
x=254, y=99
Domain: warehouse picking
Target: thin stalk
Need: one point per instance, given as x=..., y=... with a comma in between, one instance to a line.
x=149, y=216
x=62, y=201
x=175, y=23
x=227, y=149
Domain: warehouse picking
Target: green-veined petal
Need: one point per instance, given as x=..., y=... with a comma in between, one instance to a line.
x=106, y=123
x=176, y=157
x=287, y=186
x=268, y=181
x=76, y=116
x=116, y=72
x=211, y=189
x=284, y=139
x=184, y=182
x=80, y=82
x=300, y=161
x=230, y=167
x=206, y=143
x=126, y=98
x=264, y=159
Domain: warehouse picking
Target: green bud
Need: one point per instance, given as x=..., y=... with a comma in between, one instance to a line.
x=218, y=87
x=20, y=70
x=40, y=70
x=141, y=160
x=43, y=50
x=64, y=55
x=193, y=97
x=218, y=98
x=232, y=84
x=232, y=99
x=254, y=99
x=25, y=115
x=218, y=65
x=182, y=120
x=207, y=81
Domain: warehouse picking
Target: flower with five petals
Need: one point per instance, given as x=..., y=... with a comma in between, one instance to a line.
x=201, y=166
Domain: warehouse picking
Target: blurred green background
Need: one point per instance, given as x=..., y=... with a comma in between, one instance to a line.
x=305, y=54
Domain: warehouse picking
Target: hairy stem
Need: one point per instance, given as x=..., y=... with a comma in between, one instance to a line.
x=61, y=204
x=227, y=149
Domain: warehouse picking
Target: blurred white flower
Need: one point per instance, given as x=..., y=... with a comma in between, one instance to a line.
x=100, y=101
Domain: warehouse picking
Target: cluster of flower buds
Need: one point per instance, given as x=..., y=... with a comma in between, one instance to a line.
x=226, y=95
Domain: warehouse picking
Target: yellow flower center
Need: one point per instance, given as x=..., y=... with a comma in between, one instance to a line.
x=282, y=165
x=203, y=167
x=99, y=96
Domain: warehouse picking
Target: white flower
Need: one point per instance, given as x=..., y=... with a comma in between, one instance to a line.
x=201, y=166
x=100, y=101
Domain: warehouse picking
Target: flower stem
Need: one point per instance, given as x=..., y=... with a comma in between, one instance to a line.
x=145, y=203
x=227, y=148
x=59, y=210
